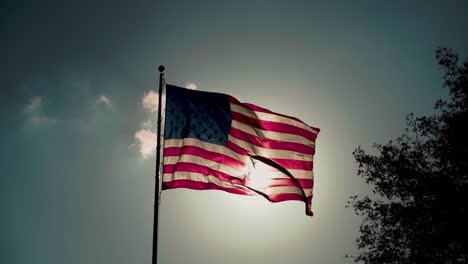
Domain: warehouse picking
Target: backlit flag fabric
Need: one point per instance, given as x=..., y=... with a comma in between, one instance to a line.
x=212, y=141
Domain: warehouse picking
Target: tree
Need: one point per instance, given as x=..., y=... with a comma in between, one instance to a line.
x=418, y=212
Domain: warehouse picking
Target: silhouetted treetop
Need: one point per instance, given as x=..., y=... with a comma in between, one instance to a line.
x=418, y=212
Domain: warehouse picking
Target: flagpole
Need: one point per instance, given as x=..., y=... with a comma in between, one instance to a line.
x=158, y=165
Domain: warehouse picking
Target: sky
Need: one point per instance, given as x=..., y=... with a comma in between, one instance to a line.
x=78, y=91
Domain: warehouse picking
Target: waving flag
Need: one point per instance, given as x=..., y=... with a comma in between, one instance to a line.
x=212, y=141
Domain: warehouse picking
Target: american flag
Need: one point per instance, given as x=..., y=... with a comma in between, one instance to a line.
x=212, y=141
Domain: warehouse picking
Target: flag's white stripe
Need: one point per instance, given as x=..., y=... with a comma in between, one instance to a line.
x=292, y=138
x=276, y=174
x=270, y=117
x=299, y=174
x=198, y=177
x=286, y=190
x=270, y=153
x=207, y=146
x=238, y=173
x=234, y=172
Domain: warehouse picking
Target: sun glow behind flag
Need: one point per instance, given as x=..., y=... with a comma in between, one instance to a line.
x=212, y=141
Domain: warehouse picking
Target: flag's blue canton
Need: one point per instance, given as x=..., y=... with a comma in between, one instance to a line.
x=195, y=114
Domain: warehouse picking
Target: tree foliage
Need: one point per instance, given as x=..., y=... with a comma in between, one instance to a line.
x=418, y=213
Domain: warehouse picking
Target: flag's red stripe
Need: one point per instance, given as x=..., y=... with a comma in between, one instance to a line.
x=271, y=143
x=274, y=126
x=192, y=167
x=253, y=107
x=203, y=186
x=295, y=164
x=285, y=163
x=233, y=100
x=232, y=146
x=290, y=196
x=260, y=109
x=305, y=183
x=211, y=186
x=209, y=155
x=286, y=197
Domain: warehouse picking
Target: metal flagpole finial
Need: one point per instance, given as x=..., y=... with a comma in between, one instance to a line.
x=161, y=68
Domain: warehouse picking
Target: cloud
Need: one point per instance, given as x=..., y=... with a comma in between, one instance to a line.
x=148, y=124
x=33, y=110
x=103, y=100
x=40, y=120
x=190, y=85
x=151, y=98
x=146, y=142
x=150, y=101
x=146, y=139
x=35, y=103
